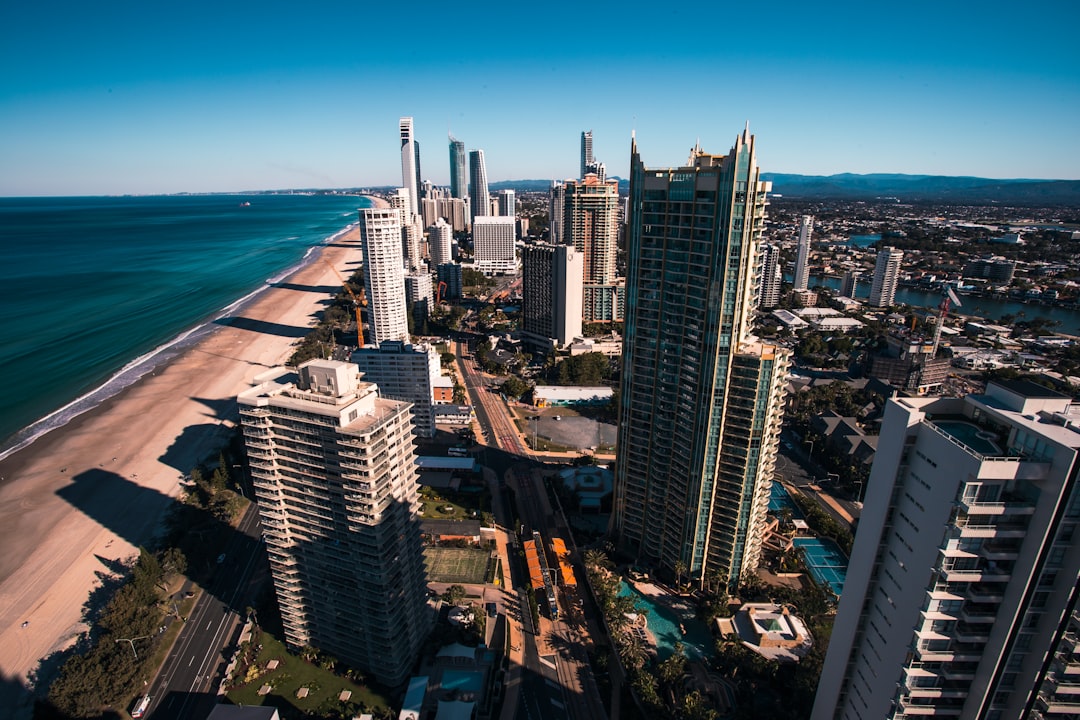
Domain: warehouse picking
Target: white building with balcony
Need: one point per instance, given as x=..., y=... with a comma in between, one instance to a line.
x=961, y=593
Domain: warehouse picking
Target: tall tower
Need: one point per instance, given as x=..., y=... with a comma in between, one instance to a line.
x=384, y=273
x=551, y=293
x=771, y=277
x=507, y=203
x=479, y=198
x=345, y=551
x=409, y=164
x=459, y=171
x=961, y=594
x=556, y=213
x=802, y=255
x=886, y=275
x=701, y=399
x=586, y=152
x=439, y=237
x=592, y=225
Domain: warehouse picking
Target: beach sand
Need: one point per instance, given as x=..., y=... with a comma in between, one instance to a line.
x=92, y=491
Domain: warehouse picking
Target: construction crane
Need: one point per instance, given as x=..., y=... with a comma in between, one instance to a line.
x=357, y=304
x=943, y=310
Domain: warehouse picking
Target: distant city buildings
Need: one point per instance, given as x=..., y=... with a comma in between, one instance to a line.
x=450, y=274
x=384, y=274
x=479, y=199
x=586, y=153
x=335, y=476
x=802, y=254
x=995, y=270
x=440, y=236
x=701, y=398
x=409, y=165
x=459, y=171
x=961, y=592
x=591, y=224
x=886, y=277
x=556, y=212
x=419, y=297
x=493, y=245
x=771, y=277
x=551, y=287
x=507, y=203
x=849, y=284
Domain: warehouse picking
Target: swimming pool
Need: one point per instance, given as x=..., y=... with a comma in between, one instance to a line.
x=780, y=499
x=664, y=625
x=464, y=680
x=825, y=561
x=971, y=435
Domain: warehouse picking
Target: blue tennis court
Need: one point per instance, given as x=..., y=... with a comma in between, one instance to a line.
x=825, y=561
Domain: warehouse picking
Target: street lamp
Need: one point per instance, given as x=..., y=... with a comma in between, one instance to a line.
x=131, y=641
x=811, y=444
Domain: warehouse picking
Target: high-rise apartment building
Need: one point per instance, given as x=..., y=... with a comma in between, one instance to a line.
x=551, y=294
x=886, y=277
x=701, y=399
x=507, y=203
x=591, y=224
x=479, y=199
x=439, y=238
x=419, y=297
x=409, y=164
x=384, y=274
x=493, y=245
x=459, y=170
x=849, y=284
x=334, y=471
x=405, y=372
x=450, y=273
x=556, y=213
x=771, y=277
x=587, y=158
x=961, y=592
x=802, y=254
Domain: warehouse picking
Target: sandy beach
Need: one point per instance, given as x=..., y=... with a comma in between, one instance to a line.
x=91, y=491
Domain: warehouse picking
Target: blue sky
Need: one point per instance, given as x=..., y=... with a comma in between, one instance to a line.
x=138, y=97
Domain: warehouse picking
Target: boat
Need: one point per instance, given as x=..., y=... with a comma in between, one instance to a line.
x=245, y=204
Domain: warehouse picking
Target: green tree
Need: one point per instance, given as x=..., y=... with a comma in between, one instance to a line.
x=454, y=595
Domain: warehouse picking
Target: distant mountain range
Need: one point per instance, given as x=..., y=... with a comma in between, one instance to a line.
x=905, y=188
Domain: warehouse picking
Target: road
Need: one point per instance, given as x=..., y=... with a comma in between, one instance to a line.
x=187, y=684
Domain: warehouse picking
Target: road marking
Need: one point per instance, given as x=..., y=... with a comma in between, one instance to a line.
x=191, y=661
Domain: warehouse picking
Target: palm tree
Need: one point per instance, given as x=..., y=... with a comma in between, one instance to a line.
x=680, y=568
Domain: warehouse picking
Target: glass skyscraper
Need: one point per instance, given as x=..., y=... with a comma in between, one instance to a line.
x=459, y=171
x=701, y=399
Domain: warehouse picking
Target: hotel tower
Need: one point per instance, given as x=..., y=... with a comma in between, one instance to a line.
x=334, y=471
x=701, y=399
x=961, y=597
x=591, y=223
x=479, y=199
x=409, y=165
x=384, y=274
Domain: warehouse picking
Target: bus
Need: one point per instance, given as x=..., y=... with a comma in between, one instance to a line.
x=141, y=707
x=458, y=451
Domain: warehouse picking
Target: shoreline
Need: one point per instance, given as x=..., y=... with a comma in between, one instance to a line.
x=136, y=369
x=88, y=492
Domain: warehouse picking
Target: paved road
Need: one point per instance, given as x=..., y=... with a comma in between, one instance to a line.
x=186, y=686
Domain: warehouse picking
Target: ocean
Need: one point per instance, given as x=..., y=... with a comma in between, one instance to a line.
x=98, y=291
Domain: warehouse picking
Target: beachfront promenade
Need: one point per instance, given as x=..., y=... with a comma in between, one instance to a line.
x=86, y=495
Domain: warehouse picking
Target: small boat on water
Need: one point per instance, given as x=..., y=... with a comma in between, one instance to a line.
x=245, y=204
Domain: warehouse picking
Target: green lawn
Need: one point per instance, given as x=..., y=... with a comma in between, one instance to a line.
x=293, y=673
x=440, y=504
x=456, y=565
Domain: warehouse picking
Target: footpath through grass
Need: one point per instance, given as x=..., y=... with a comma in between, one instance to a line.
x=324, y=688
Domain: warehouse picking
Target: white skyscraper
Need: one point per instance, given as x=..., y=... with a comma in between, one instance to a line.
x=771, y=276
x=384, y=273
x=439, y=238
x=479, y=199
x=802, y=255
x=507, y=206
x=886, y=276
x=404, y=372
x=408, y=163
x=334, y=471
x=552, y=291
x=586, y=153
x=493, y=245
x=961, y=593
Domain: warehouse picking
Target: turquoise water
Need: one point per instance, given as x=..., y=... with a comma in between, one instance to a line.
x=825, y=561
x=780, y=499
x=664, y=625
x=969, y=435
x=863, y=240
x=464, y=680
x=100, y=290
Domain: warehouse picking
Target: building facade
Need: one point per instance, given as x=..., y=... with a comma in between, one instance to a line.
x=459, y=170
x=586, y=153
x=507, y=203
x=701, y=399
x=551, y=294
x=961, y=593
x=556, y=213
x=409, y=164
x=493, y=245
x=335, y=475
x=591, y=223
x=479, y=199
x=886, y=277
x=802, y=254
x=405, y=372
x=771, y=277
x=849, y=284
x=451, y=275
x=440, y=235
x=384, y=274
